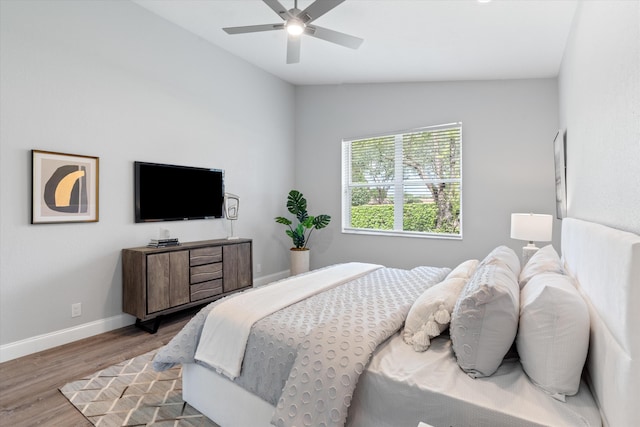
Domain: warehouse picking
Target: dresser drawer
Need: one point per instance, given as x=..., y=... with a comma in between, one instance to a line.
x=202, y=273
x=206, y=289
x=207, y=255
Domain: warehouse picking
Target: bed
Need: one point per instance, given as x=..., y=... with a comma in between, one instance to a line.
x=397, y=386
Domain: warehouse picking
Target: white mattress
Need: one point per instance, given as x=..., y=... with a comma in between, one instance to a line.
x=402, y=387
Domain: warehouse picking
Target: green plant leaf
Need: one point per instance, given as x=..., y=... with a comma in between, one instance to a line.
x=298, y=236
x=308, y=222
x=321, y=221
x=297, y=205
x=283, y=220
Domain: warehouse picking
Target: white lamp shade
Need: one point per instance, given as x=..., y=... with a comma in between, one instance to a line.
x=531, y=227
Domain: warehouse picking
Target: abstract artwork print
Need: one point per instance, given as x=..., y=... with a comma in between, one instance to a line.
x=65, y=188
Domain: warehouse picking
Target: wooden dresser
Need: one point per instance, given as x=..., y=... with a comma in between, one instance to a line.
x=158, y=281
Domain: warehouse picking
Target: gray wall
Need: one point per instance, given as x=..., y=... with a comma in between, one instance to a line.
x=110, y=79
x=507, y=155
x=600, y=109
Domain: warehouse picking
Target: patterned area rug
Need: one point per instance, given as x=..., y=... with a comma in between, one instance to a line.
x=131, y=393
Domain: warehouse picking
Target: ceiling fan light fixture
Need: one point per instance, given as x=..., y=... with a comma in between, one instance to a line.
x=301, y=22
x=295, y=27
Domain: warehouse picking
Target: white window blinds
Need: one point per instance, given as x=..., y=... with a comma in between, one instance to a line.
x=406, y=183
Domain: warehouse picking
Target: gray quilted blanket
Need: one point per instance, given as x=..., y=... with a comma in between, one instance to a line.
x=306, y=358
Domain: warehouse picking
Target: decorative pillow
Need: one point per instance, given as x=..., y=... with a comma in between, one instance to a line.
x=484, y=321
x=545, y=260
x=430, y=313
x=503, y=255
x=464, y=270
x=553, y=338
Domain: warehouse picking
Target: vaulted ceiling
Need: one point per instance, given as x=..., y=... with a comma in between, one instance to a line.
x=404, y=40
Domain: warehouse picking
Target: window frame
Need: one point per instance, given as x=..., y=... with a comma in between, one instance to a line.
x=398, y=183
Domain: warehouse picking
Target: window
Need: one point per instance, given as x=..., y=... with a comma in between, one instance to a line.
x=408, y=183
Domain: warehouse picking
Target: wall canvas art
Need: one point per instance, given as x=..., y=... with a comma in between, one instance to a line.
x=65, y=188
x=559, y=150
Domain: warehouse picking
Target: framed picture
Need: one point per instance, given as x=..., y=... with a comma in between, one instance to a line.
x=560, y=157
x=64, y=188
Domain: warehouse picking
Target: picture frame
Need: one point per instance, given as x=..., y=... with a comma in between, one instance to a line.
x=64, y=187
x=560, y=159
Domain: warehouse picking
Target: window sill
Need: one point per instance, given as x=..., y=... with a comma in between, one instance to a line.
x=395, y=233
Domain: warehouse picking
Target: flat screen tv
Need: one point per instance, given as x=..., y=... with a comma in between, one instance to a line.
x=175, y=193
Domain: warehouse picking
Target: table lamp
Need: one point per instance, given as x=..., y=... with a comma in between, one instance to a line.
x=531, y=227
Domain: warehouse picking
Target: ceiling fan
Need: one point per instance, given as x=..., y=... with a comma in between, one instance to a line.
x=298, y=22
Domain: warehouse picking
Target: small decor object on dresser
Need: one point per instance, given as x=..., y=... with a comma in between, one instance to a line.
x=163, y=243
x=64, y=188
x=297, y=205
x=231, y=209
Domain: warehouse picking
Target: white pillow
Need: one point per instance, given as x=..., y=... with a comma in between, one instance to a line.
x=464, y=270
x=484, y=321
x=545, y=260
x=503, y=255
x=553, y=338
x=430, y=313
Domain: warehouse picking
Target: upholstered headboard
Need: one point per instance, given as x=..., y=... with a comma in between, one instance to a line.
x=606, y=264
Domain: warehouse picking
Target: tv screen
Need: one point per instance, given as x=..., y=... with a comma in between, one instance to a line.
x=173, y=193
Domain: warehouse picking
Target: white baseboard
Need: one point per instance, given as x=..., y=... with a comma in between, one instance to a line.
x=64, y=336
x=264, y=280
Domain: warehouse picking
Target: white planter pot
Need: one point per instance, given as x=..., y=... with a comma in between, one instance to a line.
x=299, y=261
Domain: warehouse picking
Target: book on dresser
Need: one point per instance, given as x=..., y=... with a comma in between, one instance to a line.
x=161, y=243
x=159, y=280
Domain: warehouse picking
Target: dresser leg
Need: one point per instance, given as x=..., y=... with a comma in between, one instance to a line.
x=145, y=326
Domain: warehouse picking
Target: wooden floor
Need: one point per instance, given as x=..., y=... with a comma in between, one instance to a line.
x=29, y=393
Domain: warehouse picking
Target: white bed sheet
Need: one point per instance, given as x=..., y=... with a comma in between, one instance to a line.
x=402, y=387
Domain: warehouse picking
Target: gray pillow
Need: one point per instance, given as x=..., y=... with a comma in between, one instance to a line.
x=484, y=321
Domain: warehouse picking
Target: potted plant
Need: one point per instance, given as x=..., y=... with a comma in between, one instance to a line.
x=300, y=234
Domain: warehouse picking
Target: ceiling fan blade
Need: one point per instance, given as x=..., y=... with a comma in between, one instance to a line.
x=293, y=49
x=316, y=9
x=253, y=28
x=334, y=36
x=279, y=9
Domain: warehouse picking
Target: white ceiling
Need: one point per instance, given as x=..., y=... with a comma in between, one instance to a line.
x=404, y=40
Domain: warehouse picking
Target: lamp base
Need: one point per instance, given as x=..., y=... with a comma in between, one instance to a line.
x=527, y=253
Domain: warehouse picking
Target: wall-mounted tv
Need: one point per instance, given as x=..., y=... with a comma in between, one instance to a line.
x=174, y=193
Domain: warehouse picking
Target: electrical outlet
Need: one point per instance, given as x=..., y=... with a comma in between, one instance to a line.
x=76, y=309
x=259, y=268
